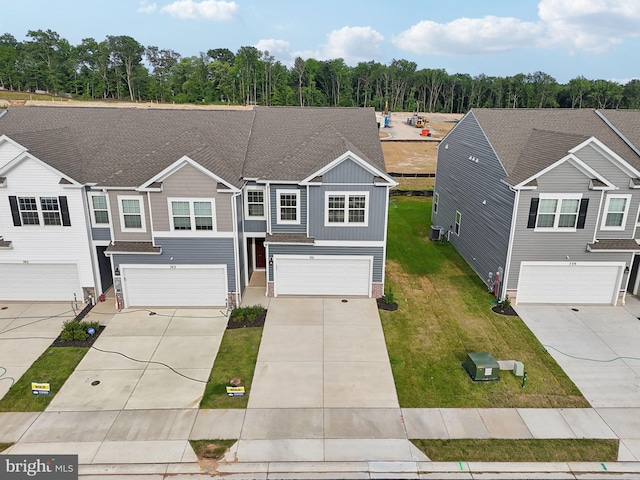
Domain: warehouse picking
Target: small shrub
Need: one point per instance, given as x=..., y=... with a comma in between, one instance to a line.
x=251, y=312
x=388, y=297
x=73, y=330
x=506, y=303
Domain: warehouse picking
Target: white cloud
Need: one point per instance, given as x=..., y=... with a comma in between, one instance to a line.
x=146, y=7
x=593, y=26
x=278, y=48
x=353, y=44
x=207, y=9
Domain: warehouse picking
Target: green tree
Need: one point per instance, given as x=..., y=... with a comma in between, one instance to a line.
x=126, y=56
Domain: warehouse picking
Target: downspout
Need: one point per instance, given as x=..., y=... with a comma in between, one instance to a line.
x=507, y=267
x=236, y=254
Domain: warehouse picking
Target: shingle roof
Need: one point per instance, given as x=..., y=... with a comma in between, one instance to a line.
x=511, y=133
x=288, y=238
x=615, y=244
x=627, y=122
x=125, y=147
x=133, y=247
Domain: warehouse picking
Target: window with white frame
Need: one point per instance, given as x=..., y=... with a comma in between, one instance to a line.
x=131, y=214
x=50, y=211
x=558, y=212
x=29, y=210
x=288, y=206
x=457, y=224
x=47, y=214
x=436, y=200
x=192, y=214
x=254, y=203
x=616, y=209
x=346, y=208
x=99, y=210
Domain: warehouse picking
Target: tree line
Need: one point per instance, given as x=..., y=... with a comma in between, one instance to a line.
x=121, y=68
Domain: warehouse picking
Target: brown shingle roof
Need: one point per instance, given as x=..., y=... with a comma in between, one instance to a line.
x=132, y=247
x=288, y=238
x=615, y=244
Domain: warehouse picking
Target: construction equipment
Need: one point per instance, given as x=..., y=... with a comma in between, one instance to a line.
x=420, y=121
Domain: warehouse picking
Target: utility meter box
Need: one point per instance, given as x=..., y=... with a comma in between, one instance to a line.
x=482, y=367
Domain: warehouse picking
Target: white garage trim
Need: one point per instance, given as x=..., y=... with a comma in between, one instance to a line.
x=569, y=282
x=51, y=282
x=324, y=275
x=174, y=285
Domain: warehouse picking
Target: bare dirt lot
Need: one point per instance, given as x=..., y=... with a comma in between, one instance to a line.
x=407, y=151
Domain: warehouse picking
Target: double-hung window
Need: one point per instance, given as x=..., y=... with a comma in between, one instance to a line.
x=346, y=208
x=47, y=211
x=458, y=222
x=254, y=203
x=616, y=209
x=558, y=212
x=99, y=210
x=436, y=200
x=192, y=214
x=288, y=206
x=132, y=214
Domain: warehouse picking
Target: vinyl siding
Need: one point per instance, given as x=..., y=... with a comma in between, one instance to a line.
x=8, y=152
x=476, y=191
x=376, y=252
x=188, y=251
x=348, y=171
x=100, y=233
x=376, y=220
x=241, y=244
x=188, y=182
x=259, y=226
x=279, y=228
x=114, y=209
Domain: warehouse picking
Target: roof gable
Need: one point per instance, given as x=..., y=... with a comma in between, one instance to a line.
x=177, y=165
x=346, y=157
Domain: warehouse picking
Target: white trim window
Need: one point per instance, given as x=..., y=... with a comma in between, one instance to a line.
x=616, y=209
x=131, y=214
x=99, y=207
x=192, y=214
x=346, y=209
x=456, y=227
x=288, y=207
x=48, y=212
x=436, y=200
x=29, y=210
x=254, y=202
x=558, y=212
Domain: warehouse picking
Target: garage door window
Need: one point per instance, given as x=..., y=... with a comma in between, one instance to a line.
x=192, y=214
x=616, y=208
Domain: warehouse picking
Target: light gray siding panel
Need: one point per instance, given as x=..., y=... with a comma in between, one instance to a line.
x=188, y=182
x=476, y=191
x=376, y=252
x=188, y=251
x=298, y=228
x=100, y=233
x=376, y=221
x=114, y=205
x=347, y=172
x=255, y=226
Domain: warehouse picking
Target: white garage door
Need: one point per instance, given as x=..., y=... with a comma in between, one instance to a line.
x=576, y=283
x=322, y=275
x=40, y=282
x=174, y=286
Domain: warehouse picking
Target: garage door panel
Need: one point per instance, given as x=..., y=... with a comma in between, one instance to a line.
x=582, y=283
x=180, y=286
x=322, y=276
x=40, y=282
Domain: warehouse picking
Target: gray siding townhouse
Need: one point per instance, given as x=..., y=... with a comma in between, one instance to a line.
x=180, y=207
x=544, y=204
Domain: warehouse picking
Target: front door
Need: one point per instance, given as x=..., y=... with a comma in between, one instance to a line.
x=104, y=266
x=261, y=261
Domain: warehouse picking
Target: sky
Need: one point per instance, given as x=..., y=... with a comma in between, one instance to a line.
x=596, y=39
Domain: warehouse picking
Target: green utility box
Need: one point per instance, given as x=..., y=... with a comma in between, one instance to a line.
x=482, y=367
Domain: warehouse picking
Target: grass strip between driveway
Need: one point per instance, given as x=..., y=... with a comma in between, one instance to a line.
x=237, y=357
x=54, y=366
x=4, y=446
x=524, y=450
x=444, y=313
x=211, y=449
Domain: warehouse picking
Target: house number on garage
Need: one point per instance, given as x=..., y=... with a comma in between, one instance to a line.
x=572, y=263
x=172, y=266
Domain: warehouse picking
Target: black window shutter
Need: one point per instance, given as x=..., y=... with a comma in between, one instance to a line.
x=533, y=213
x=64, y=210
x=15, y=211
x=582, y=214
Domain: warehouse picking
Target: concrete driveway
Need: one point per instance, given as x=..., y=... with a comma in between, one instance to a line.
x=26, y=330
x=127, y=362
x=597, y=346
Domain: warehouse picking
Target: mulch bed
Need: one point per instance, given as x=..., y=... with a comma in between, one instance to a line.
x=244, y=322
x=389, y=307
x=509, y=311
x=58, y=342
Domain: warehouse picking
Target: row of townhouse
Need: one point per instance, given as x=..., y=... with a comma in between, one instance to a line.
x=544, y=204
x=179, y=207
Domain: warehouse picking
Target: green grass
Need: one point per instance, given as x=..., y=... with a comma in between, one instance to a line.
x=4, y=446
x=236, y=357
x=529, y=450
x=444, y=313
x=211, y=449
x=7, y=95
x=54, y=366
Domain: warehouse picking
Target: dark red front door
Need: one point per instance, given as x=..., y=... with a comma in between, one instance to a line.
x=260, y=253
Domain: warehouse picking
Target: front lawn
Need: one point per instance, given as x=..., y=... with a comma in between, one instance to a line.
x=54, y=367
x=444, y=313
